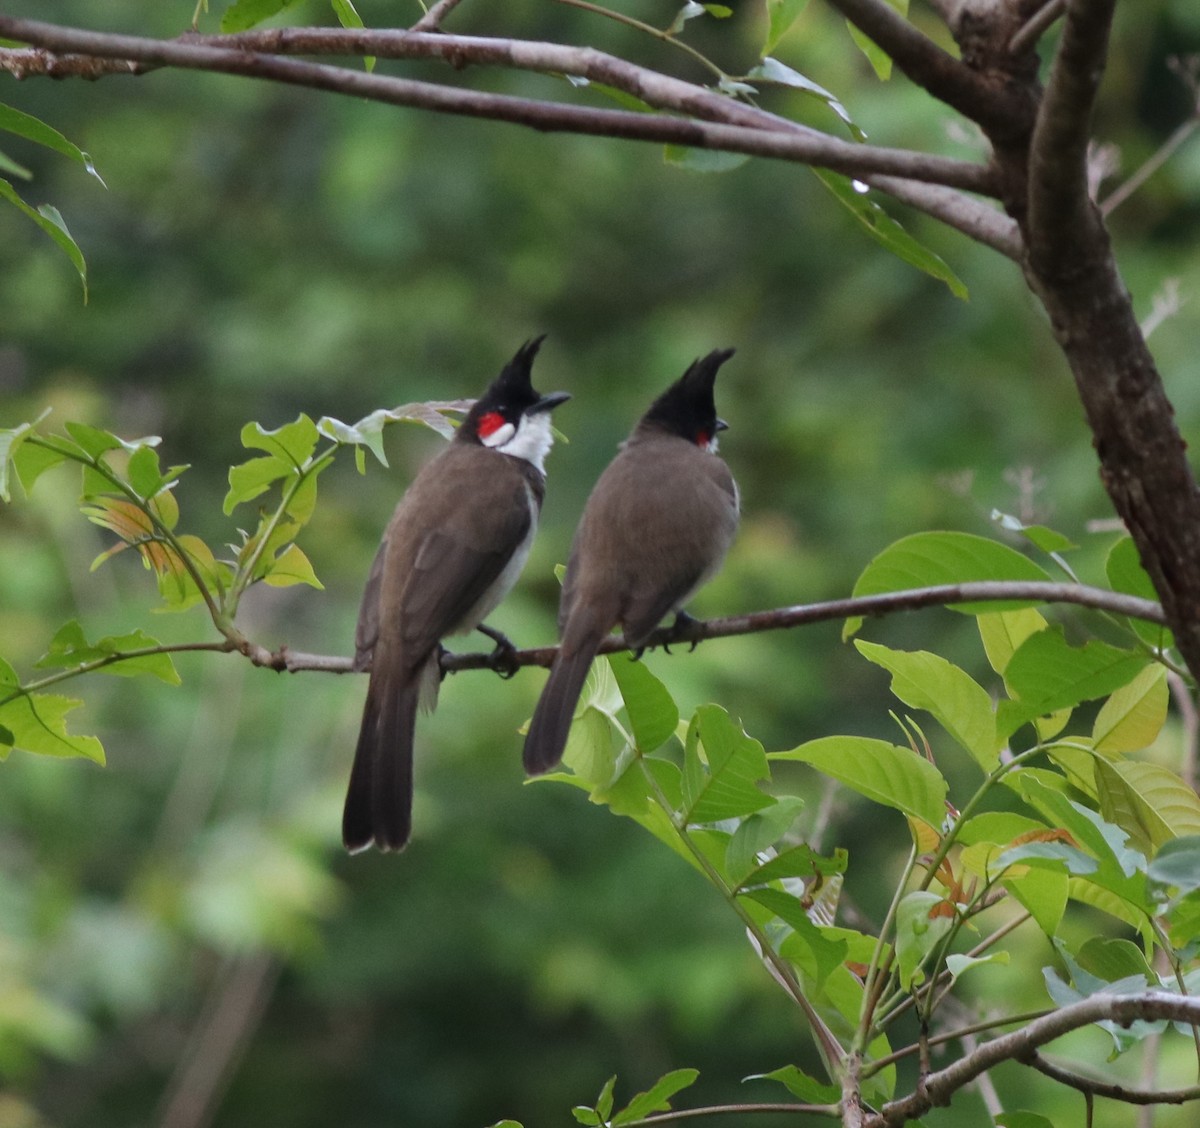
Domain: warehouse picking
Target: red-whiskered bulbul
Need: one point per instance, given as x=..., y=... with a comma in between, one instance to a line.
x=452, y=550
x=655, y=529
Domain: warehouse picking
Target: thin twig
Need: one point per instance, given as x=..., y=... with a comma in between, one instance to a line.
x=1031, y=31
x=1165, y=151
x=432, y=19
x=1185, y=702
x=1110, y=1089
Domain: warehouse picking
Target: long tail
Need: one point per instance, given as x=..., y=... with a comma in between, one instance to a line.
x=556, y=707
x=378, y=807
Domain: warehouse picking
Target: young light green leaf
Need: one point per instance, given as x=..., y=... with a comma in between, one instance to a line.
x=37, y=723
x=1044, y=893
x=959, y=703
x=819, y=954
x=1149, y=802
x=253, y=477
x=1003, y=631
x=772, y=70
x=920, y=923
x=781, y=14
x=1054, y=854
x=884, y=773
x=1133, y=715
x=33, y=129
x=689, y=11
x=290, y=567
x=881, y=227
x=52, y=223
x=652, y=711
x=721, y=768
x=604, y=1102
x=880, y=60
x=143, y=472
x=658, y=1097
x=800, y=1085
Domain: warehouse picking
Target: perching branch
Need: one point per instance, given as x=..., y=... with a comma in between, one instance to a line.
x=1109, y=1089
x=782, y=618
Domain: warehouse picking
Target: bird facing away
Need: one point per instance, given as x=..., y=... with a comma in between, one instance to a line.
x=454, y=547
x=655, y=530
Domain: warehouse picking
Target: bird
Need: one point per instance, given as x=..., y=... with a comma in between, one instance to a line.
x=453, y=549
x=655, y=529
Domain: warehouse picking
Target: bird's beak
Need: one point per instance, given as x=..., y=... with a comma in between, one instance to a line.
x=722, y=426
x=548, y=403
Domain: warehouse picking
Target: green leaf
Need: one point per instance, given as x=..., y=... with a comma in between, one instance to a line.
x=884, y=773
x=702, y=160
x=587, y=1116
x=293, y=443
x=1177, y=864
x=143, y=472
x=70, y=649
x=933, y=559
x=48, y=218
x=1044, y=893
x=758, y=833
x=957, y=964
x=348, y=16
x=1126, y=574
x=1113, y=959
x=959, y=703
x=799, y=861
x=604, y=1102
x=689, y=11
x=880, y=60
x=37, y=723
x=8, y=165
x=803, y=1087
x=245, y=14
x=368, y=431
x=920, y=924
x=1149, y=802
x=31, y=460
x=1054, y=853
x=33, y=129
x=653, y=714
x=290, y=567
x=722, y=766
x=658, y=1097
x=1048, y=540
x=819, y=953
x=1047, y=674
x=886, y=231
x=781, y=14
x=1020, y=1119
x=249, y=479
x=93, y=441
x=771, y=70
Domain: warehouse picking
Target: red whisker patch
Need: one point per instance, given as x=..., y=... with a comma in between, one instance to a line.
x=489, y=424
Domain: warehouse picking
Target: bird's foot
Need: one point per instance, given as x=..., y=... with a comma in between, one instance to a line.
x=503, y=659
x=683, y=626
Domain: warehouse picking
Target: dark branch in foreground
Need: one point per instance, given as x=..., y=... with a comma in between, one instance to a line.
x=1110, y=1089
x=783, y=618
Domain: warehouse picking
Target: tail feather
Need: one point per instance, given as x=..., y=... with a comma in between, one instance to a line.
x=378, y=808
x=555, y=710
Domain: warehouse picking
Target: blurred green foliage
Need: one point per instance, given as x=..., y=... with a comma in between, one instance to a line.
x=261, y=252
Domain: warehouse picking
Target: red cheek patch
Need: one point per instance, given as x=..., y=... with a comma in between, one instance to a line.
x=702, y=439
x=489, y=424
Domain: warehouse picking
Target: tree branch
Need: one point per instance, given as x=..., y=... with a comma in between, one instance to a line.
x=1021, y=1044
x=948, y=79
x=1031, y=31
x=1063, y=221
x=432, y=19
x=802, y=146
x=974, y=219
x=783, y=618
x=1109, y=1089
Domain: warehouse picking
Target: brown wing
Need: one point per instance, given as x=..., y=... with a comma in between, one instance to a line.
x=447, y=546
x=367, y=630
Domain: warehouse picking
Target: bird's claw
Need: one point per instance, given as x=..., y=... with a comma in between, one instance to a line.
x=503, y=658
